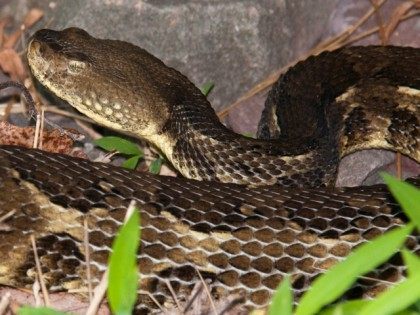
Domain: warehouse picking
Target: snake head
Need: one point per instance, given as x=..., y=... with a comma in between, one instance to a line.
x=113, y=82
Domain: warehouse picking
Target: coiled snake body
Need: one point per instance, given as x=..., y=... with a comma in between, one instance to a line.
x=241, y=234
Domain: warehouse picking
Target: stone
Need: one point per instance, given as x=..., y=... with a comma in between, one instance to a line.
x=231, y=43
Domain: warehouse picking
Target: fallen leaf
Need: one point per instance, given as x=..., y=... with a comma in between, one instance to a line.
x=11, y=40
x=3, y=23
x=52, y=141
x=33, y=16
x=12, y=64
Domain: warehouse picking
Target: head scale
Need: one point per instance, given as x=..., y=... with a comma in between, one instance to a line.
x=110, y=81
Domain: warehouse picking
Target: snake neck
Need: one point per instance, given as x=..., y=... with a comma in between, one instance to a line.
x=202, y=148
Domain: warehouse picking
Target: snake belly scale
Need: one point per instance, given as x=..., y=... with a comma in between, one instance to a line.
x=224, y=221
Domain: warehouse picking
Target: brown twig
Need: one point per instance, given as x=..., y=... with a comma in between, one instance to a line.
x=39, y=273
x=7, y=215
x=55, y=110
x=41, y=131
x=87, y=258
x=156, y=302
x=329, y=44
x=35, y=291
x=213, y=306
x=379, y=22
x=37, y=131
x=98, y=295
x=171, y=289
x=4, y=303
x=335, y=41
x=25, y=92
x=376, y=29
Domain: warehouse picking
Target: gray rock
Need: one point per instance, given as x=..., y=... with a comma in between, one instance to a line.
x=231, y=43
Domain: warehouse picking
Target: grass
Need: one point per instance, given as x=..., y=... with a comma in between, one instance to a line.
x=123, y=269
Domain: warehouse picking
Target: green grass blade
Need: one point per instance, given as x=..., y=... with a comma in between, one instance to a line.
x=25, y=310
x=331, y=285
x=123, y=271
x=412, y=262
x=352, y=307
x=132, y=162
x=206, y=88
x=156, y=165
x=282, y=299
x=118, y=144
x=396, y=299
x=407, y=196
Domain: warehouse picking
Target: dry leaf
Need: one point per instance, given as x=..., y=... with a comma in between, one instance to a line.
x=395, y=19
x=33, y=16
x=11, y=63
x=52, y=141
x=3, y=23
x=10, y=41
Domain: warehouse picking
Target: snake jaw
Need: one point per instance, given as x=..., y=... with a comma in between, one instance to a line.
x=69, y=65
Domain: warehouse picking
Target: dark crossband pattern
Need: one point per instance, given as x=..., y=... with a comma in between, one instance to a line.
x=243, y=240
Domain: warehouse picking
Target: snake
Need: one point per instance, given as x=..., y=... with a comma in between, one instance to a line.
x=247, y=212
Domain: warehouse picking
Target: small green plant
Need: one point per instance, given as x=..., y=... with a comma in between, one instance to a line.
x=122, y=146
x=332, y=284
x=25, y=310
x=206, y=88
x=123, y=269
x=130, y=150
x=156, y=165
x=248, y=134
x=282, y=301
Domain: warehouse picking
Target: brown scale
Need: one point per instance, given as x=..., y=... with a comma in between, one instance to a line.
x=323, y=108
x=241, y=239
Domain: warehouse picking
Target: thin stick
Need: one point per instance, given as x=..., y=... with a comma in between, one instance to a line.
x=35, y=291
x=7, y=215
x=206, y=288
x=53, y=109
x=41, y=131
x=350, y=30
x=37, y=128
x=168, y=284
x=39, y=271
x=4, y=303
x=379, y=22
x=87, y=259
x=100, y=290
x=25, y=92
x=376, y=29
x=156, y=302
x=98, y=295
x=89, y=130
x=328, y=44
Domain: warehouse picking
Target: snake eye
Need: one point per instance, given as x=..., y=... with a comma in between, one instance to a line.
x=75, y=66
